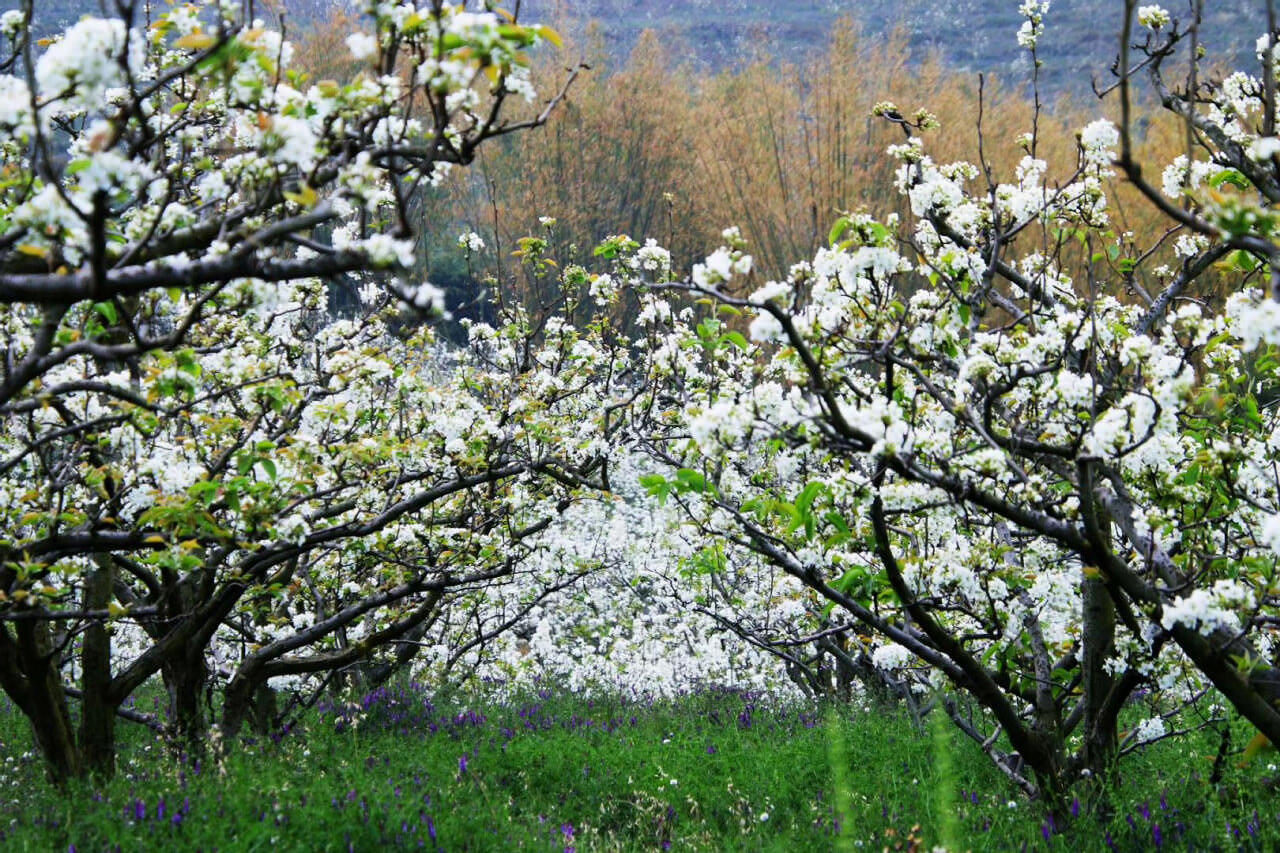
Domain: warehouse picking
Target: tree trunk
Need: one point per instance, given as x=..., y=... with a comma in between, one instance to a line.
x=264, y=709
x=46, y=702
x=186, y=678
x=1099, y=751
x=237, y=703
x=1099, y=633
x=97, y=710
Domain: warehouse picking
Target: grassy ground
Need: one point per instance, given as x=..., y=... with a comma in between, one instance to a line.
x=714, y=771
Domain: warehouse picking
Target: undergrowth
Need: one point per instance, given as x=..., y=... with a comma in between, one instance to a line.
x=716, y=770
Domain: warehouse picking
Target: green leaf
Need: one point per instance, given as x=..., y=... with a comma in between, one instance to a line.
x=204, y=492
x=837, y=521
x=845, y=583
x=1230, y=176
x=515, y=32
x=656, y=486
x=107, y=311
x=1243, y=261
x=810, y=493
x=787, y=512
x=187, y=363
x=1252, y=416
x=304, y=196
x=548, y=34
x=708, y=561
x=194, y=41
x=689, y=480
x=838, y=228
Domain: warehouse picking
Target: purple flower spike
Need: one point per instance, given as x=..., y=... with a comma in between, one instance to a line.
x=431, y=829
x=1156, y=835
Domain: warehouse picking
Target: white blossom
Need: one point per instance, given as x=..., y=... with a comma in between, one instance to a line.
x=1098, y=141
x=1150, y=729
x=1153, y=17
x=89, y=60
x=362, y=45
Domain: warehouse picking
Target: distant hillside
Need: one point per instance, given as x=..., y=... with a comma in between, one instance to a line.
x=1081, y=41
x=54, y=15
x=977, y=35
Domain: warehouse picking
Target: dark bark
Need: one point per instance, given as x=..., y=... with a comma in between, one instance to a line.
x=1099, y=631
x=186, y=680
x=97, y=710
x=46, y=704
x=237, y=701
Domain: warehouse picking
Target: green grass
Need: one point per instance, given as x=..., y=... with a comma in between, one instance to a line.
x=714, y=771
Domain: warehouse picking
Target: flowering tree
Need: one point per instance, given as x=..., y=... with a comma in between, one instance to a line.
x=642, y=622
x=203, y=478
x=1003, y=485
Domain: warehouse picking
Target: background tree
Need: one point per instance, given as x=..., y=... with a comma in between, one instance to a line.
x=655, y=145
